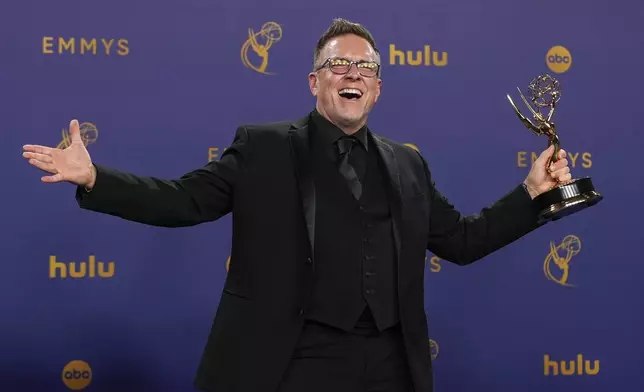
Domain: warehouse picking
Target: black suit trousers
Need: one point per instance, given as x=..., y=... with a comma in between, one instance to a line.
x=363, y=360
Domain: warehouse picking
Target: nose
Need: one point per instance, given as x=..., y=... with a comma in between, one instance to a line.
x=353, y=72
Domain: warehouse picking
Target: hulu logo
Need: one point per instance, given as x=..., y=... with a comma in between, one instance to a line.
x=568, y=368
x=425, y=57
x=83, y=269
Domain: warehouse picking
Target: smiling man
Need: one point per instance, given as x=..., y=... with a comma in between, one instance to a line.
x=345, y=98
x=331, y=224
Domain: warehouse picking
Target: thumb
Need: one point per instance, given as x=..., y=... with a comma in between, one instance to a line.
x=74, y=132
x=545, y=156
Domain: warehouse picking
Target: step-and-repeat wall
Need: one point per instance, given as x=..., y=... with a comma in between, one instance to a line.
x=92, y=301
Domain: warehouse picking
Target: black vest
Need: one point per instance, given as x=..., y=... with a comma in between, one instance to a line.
x=355, y=264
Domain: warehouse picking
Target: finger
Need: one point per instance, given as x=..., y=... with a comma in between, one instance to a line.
x=38, y=157
x=561, y=163
x=559, y=173
x=48, y=167
x=562, y=154
x=74, y=132
x=565, y=178
x=38, y=149
x=563, y=170
x=55, y=178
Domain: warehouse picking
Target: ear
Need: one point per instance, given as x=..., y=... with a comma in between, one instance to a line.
x=378, y=86
x=313, y=83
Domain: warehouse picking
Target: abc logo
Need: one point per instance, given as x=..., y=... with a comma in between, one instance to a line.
x=558, y=59
x=77, y=375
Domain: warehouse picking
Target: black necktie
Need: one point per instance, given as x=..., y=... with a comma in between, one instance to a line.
x=345, y=145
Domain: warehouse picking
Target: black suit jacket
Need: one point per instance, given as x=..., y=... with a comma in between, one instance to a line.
x=264, y=179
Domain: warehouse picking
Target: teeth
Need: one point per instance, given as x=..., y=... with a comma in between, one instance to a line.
x=351, y=91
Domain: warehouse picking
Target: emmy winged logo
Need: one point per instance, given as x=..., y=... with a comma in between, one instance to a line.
x=254, y=52
x=556, y=265
x=88, y=133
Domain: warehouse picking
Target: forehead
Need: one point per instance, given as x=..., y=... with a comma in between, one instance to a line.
x=350, y=47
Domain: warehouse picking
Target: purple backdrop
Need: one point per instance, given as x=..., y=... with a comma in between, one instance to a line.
x=162, y=85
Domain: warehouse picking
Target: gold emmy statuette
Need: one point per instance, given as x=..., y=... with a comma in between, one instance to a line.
x=565, y=198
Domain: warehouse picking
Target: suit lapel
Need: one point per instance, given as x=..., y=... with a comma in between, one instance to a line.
x=393, y=176
x=300, y=153
x=391, y=164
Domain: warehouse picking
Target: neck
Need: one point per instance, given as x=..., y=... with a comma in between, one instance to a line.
x=347, y=127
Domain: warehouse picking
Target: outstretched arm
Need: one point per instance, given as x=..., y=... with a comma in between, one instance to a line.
x=199, y=196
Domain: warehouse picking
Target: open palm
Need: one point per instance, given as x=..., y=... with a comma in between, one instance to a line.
x=73, y=164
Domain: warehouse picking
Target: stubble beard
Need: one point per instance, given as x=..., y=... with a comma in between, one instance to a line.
x=350, y=118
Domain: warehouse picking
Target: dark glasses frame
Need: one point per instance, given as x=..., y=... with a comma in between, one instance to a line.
x=327, y=64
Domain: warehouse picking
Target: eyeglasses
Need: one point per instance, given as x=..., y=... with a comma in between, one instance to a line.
x=341, y=66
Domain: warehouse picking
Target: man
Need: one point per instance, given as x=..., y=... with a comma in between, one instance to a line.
x=345, y=218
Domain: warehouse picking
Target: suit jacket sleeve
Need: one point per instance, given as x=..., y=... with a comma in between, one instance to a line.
x=465, y=239
x=199, y=196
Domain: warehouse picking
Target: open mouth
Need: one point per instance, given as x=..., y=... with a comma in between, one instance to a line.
x=352, y=94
